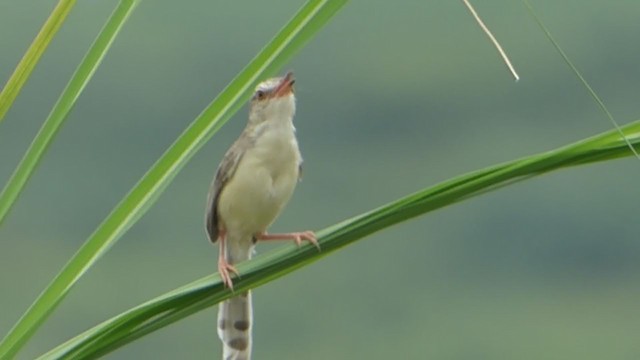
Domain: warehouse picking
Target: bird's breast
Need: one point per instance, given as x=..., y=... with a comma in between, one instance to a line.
x=263, y=182
x=276, y=149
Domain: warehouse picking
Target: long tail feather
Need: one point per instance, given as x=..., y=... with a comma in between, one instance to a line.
x=235, y=315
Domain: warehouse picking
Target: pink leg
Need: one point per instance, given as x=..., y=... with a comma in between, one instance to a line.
x=223, y=265
x=295, y=236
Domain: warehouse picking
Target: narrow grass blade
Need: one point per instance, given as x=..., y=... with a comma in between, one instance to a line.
x=208, y=291
x=63, y=106
x=575, y=70
x=309, y=20
x=32, y=56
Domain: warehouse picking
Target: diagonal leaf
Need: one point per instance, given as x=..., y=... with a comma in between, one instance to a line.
x=307, y=21
x=208, y=291
x=33, y=54
x=64, y=105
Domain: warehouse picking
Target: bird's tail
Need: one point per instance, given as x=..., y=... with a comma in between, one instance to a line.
x=235, y=315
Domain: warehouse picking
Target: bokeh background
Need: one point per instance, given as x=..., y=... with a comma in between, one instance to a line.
x=393, y=97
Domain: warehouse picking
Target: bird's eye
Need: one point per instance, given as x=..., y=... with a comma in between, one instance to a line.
x=260, y=95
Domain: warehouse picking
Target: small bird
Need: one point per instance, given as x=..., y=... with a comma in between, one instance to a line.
x=253, y=183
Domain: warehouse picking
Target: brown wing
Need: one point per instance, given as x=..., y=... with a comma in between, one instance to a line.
x=225, y=171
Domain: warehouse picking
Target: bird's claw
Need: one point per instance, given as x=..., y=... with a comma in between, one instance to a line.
x=310, y=236
x=224, y=268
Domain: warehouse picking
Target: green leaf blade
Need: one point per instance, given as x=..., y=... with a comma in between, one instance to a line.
x=30, y=59
x=208, y=291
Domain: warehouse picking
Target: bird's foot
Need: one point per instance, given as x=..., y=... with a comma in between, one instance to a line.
x=297, y=237
x=225, y=269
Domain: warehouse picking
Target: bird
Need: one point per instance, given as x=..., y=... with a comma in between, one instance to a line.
x=253, y=183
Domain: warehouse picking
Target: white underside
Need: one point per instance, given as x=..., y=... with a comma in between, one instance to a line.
x=261, y=186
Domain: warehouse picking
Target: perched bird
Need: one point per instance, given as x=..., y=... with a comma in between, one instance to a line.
x=252, y=185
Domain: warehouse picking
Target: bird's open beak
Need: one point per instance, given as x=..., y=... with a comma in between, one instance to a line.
x=285, y=87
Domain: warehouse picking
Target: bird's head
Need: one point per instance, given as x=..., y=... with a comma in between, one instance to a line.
x=273, y=99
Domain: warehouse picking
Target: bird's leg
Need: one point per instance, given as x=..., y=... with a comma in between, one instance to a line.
x=298, y=237
x=223, y=265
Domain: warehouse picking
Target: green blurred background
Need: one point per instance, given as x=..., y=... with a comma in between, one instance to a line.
x=392, y=97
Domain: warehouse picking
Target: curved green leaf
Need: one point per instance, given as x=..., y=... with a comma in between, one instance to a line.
x=209, y=290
